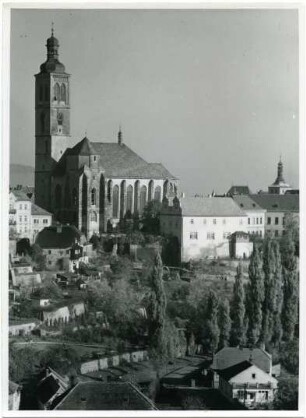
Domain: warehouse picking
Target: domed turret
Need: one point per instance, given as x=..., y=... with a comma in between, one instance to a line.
x=52, y=64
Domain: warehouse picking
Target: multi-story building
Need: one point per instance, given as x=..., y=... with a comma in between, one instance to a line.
x=278, y=207
x=25, y=218
x=255, y=213
x=202, y=226
x=92, y=184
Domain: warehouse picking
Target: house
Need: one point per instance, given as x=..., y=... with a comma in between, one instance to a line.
x=50, y=387
x=278, y=207
x=63, y=246
x=100, y=396
x=238, y=190
x=240, y=245
x=14, y=396
x=255, y=213
x=22, y=326
x=22, y=275
x=230, y=356
x=247, y=384
x=202, y=225
x=61, y=312
x=25, y=218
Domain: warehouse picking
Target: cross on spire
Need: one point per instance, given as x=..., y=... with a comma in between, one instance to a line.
x=52, y=28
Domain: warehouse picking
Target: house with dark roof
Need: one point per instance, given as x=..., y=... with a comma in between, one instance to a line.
x=279, y=208
x=202, y=226
x=238, y=191
x=255, y=213
x=64, y=247
x=51, y=386
x=93, y=183
x=248, y=384
x=99, y=396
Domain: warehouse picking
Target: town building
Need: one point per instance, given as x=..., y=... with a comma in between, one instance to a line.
x=278, y=207
x=202, y=226
x=22, y=326
x=248, y=384
x=91, y=184
x=64, y=247
x=99, y=396
x=240, y=245
x=22, y=274
x=238, y=190
x=53, y=314
x=50, y=387
x=25, y=218
x=280, y=186
x=14, y=396
x=255, y=213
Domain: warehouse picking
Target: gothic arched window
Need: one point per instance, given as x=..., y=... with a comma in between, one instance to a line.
x=151, y=188
x=93, y=196
x=57, y=92
x=166, y=188
x=157, y=193
x=115, y=201
x=63, y=93
x=109, y=190
x=129, y=199
x=58, y=196
x=143, y=198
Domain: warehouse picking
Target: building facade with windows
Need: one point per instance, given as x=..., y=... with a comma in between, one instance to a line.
x=203, y=226
x=255, y=213
x=26, y=219
x=278, y=207
x=91, y=184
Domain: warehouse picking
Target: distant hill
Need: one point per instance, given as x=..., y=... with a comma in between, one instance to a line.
x=21, y=174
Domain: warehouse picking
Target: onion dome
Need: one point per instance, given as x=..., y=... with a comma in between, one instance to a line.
x=52, y=65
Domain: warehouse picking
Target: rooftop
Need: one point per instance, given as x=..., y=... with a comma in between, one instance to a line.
x=245, y=202
x=105, y=396
x=230, y=356
x=277, y=203
x=58, y=236
x=232, y=371
x=239, y=190
x=37, y=211
x=20, y=196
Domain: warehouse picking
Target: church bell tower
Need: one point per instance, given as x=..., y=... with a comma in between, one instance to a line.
x=52, y=120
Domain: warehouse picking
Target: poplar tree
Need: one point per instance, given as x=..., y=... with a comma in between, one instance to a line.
x=268, y=307
x=157, y=310
x=290, y=289
x=255, y=297
x=238, y=310
x=210, y=330
x=224, y=323
x=277, y=330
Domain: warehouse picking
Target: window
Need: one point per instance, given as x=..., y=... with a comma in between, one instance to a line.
x=249, y=221
x=240, y=394
x=269, y=220
x=45, y=221
x=276, y=234
x=20, y=206
x=191, y=221
x=210, y=235
x=276, y=220
x=36, y=221
x=95, y=158
x=20, y=218
x=63, y=93
x=94, y=217
x=224, y=221
x=257, y=221
x=93, y=196
x=253, y=375
x=215, y=221
x=260, y=233
x=260, y=221
x=204, y=221
x=26, y=207
x=49, y=252
x=193, y=235
x=26, y=219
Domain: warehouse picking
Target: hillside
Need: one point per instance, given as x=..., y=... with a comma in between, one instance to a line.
x=21, y=174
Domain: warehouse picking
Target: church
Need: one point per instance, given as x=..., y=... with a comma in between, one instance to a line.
x=92, y=184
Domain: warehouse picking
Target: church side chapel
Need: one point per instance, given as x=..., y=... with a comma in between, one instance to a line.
x=92, y=184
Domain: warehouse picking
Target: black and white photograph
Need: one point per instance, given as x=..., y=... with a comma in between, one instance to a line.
x=153, y=210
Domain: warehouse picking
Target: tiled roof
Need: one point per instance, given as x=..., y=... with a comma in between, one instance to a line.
x=101, y=396
x=36, y=210
x=277, y=203
x=234, y=190
x=229, y=356
x=210, y=206
x=232, y=371
x=117, y=160
x=246, y=203
x=50, y=238
x=20, y=196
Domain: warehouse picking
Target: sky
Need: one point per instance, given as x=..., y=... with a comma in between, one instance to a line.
x=211, y=94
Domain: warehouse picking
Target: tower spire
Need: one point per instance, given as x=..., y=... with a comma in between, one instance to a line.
x=120, y=136
x=52, y=29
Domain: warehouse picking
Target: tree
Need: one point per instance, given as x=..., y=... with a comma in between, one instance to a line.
x=38, y=257
x=290, y=289
x=269, y=303
x=150, y=217
x=255, y=297
x=157, y=310
x=238, y=310
x=277, y=330
x=224, y=320
x=289, y=356
x=287, y=395
x=211, y=331
x=291, y=231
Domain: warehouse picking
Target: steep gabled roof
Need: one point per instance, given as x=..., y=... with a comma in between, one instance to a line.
x=83, y=147
x=232, y=371
x=229, y=356
x=36, y=210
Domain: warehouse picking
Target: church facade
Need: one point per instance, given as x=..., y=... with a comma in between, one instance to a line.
x=91, y=184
